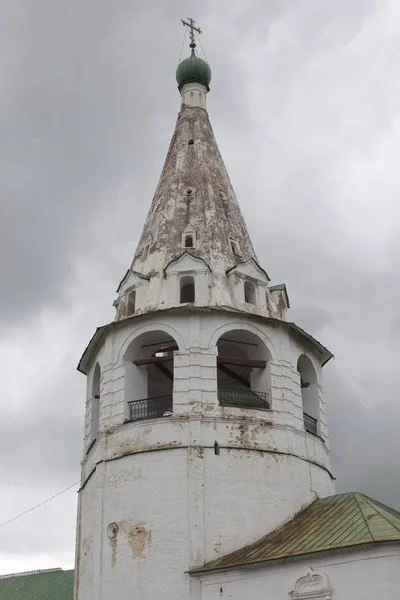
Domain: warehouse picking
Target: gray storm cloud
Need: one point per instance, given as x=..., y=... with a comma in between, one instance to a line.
x=303, y=103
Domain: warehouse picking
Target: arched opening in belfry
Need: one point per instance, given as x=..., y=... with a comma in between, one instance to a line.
x=149, y=376
x=95, y=416
x=243, y=370
x=187, y=289
x=250, y=293
x=309, y=393
x=131, y=304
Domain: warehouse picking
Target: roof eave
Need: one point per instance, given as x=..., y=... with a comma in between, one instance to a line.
x=183, y=254
x=244, y=262
x=126, y=275
x=326, y=355
x=84, y=363
x=284, y=559
x=281, y=288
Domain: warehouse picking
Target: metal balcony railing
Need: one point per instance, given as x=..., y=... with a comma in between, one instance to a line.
x=310, y=424
x=243, y=398
x=150, y=408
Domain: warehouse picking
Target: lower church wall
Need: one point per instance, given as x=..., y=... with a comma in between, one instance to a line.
x=347, y=575
x=176, y=509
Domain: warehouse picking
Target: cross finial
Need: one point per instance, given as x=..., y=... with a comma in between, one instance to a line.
x=190, y=24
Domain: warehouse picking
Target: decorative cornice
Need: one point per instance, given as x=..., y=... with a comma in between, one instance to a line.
x=101, y=331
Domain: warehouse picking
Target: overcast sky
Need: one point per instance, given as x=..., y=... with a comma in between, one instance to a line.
x=305, y=105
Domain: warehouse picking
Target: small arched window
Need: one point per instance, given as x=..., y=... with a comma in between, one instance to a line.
x=189, y=241
x=250, y=295
x=191, y=142
x=187, y=290
x=95, y=417
x=131, y=304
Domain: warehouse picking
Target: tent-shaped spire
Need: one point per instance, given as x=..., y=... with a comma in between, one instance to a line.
x=194, y=190
x=195, y=211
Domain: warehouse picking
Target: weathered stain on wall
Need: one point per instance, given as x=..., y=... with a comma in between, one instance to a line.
x=113, y=544
x=137, y=536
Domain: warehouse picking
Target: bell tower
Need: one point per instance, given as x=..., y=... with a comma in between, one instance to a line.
x=205, y=419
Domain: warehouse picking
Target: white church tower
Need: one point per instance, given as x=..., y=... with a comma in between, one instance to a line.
x=205, y=420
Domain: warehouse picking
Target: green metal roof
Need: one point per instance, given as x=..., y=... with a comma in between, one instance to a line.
x=53, y=584
x=327, y=525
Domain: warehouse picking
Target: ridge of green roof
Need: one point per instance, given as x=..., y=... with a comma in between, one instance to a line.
x=343, y=521
x=42, y=585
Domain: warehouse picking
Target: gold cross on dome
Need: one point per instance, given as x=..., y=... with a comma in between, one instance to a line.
x=192, y=28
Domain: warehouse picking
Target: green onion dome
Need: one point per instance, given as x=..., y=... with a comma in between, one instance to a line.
x=193, y=70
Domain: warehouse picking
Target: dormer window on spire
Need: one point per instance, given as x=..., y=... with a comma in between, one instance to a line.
x=189, y=241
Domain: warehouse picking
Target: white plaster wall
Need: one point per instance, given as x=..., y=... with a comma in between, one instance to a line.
x=194, y=94
x=177, y=508
x=356, y=575
x=177, y=504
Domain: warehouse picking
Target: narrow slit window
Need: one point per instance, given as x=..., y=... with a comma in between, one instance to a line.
x=187, y=291
x=146, y=251
x=235, y=248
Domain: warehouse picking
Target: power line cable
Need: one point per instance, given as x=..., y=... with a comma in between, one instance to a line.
x=183, y=43
x=41, y=504
x=202, y=49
